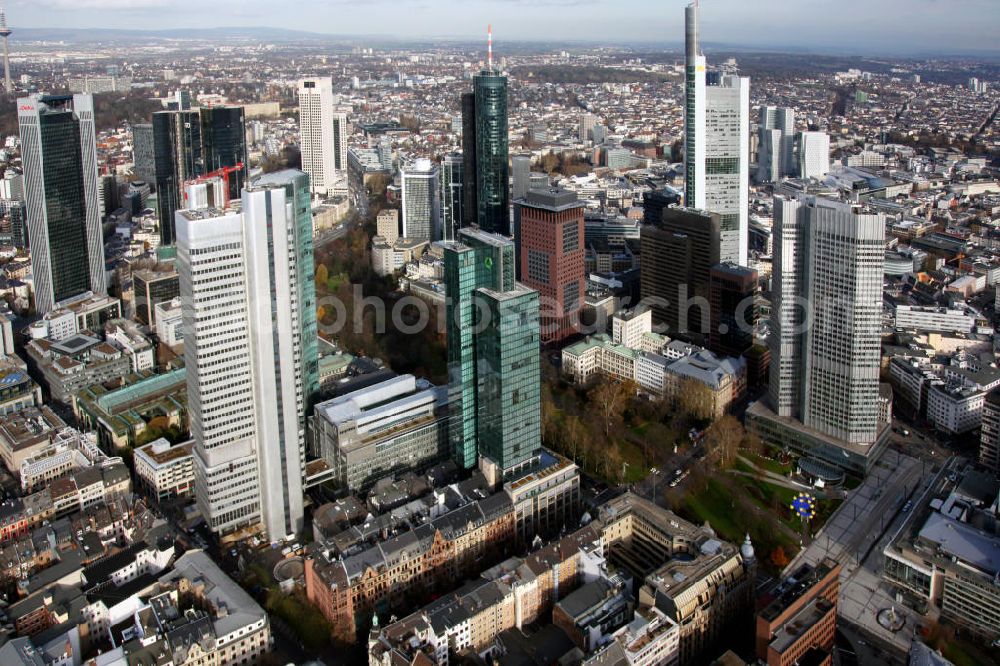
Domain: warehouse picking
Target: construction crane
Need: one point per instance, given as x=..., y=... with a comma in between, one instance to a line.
x=222, y=173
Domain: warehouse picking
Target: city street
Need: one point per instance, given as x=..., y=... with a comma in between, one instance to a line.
x=856, y=536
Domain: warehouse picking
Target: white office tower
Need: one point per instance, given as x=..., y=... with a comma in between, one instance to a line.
x=694, y=112
x=727, y=168
x=776, y=144
x=250, y=348
x=421, y=201
x=826, y=319
x=814, y=154
x=62, y=200
x=317, y=130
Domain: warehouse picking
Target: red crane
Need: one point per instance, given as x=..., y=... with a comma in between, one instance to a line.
x=222, y=173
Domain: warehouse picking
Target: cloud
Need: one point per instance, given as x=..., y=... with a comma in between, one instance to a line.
x=108, y=5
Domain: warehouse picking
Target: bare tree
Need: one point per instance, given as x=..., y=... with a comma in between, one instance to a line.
x=722, y=440
x=610, y=398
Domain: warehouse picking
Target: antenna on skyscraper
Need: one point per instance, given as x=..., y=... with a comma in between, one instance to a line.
x=489, y=47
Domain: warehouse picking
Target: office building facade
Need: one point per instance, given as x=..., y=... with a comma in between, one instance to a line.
x=250, y=341
x=734, y=315
x=825, y=370
x=694, y=112
x=676, y=259
x=143, y=153
x=487, y=152
x=813, y=154
x=775, y=144
x=727, y=169
x=452, y=195
x=149, y=289
x=59, y=154
x=550, y=237
x=188, y=144
x=317, y=133
x=421, y=201
x=397, y=425
x=493, y=346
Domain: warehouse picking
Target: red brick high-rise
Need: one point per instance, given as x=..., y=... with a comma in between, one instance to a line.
x=550, y=256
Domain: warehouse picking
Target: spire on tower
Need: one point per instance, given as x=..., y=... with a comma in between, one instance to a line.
x=489, y=47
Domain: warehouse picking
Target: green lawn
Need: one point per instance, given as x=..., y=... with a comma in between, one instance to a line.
x=770, y=465
x=715, y=506
x=637, y=470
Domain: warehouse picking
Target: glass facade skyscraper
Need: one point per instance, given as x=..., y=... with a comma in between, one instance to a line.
x=177, y=157
x=189, y=144
x=59, y=154
x=223, y=135
x=487, y=152
x=493, y=353
x=508, y=376
x=452, y=195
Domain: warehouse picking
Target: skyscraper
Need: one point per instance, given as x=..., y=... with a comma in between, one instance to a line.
x=734, y=315
x=521, y=170
x=250, y=343
x=452, y=195
x=493, y=354
x=694, y=112
x=59, y=154
x=550, y=252
x=177, y=151
x=143, y=153
x=191, y=143
x=677, y=256
x=826, y=319
x=421, y=201
x=814, y=154
x=716, y=145
x=486, y=149
x=224, y=139
x=727, y=169
x=340, y=134
x=588, y=121
x=317, y=132
x=776, y=144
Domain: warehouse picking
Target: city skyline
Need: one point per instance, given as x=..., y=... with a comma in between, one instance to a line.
x=935, y=27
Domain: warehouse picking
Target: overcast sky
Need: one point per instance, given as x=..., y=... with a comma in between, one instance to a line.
x=857, y=25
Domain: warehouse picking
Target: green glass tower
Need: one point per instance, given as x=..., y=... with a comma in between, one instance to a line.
x=486, y=151
x=508, y=377
x=493, y=361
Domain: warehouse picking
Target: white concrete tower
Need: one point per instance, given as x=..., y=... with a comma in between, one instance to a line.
x=694, y=113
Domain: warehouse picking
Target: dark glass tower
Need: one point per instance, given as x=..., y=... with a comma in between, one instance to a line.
x=189, y=144
x=223, y=133
x=177, y=156
x=60, y=184
x=469, y=190
x=487, y=153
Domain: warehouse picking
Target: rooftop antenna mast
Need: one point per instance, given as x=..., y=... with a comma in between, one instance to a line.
x=489, y=47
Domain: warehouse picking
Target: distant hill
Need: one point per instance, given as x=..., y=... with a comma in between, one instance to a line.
x=78, y=35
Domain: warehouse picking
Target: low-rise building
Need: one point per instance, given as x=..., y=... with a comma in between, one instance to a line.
x=396, y=425
x=945, y=556
x=26, y=433
x=799, y=616
x=510, y=595
x=169, y=325
x=703, y=584
x=121, y=415
x=166, y=470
